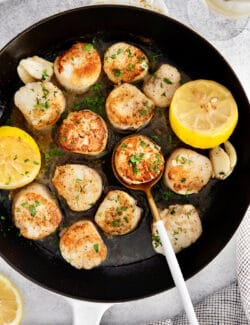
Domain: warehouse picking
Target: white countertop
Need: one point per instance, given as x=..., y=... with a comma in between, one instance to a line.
x=43, y=307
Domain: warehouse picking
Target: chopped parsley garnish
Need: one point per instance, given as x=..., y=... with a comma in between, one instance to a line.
x=35, y=162
x=119, y=51
x=167, y=81
x=129, y=53
x=131, y=66
x=26, y=160
x=156, y=241
x=116, y=223
x=153, y=58
x=117, y=72
x=124, y=146
x=170, y=139
x=63, y=139
x=88, y=47
x=166, y=195
x=96, y=247
x=136, y=159
x=183, y=180
x=95, y=103
x=24, y=204
x=120, y=209
x=44, y=74
x=142, y=144
x=32, y=210
x=142, y=112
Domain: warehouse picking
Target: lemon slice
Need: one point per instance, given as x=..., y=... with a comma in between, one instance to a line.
x=11, y=303
x=203, y=113
x=20, y=158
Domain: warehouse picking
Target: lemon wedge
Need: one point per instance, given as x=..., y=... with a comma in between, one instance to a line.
x=20, y=158
x=203, y=113
x=11, y=303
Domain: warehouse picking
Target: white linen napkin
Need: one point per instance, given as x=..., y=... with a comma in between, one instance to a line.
x=231, y=305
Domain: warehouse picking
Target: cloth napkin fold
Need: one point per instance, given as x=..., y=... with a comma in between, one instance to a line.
x=231, y=305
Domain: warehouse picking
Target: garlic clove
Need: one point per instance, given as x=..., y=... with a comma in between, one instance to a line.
x=220, y=163
x=230, y=150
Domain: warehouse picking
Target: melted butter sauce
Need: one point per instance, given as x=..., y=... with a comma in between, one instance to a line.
x=135, y=246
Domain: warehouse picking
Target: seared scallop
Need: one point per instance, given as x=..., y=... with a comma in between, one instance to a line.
x=78, y=68
x=138, y=160
x=34, y=68
x=79, y=185
x=125, y=63
x=160, y=86
x=82, y=246
x=128, y=108
x=183, y=226
x=118, y=214
x=83, y=132
x=35, y=212
x=187, y=171
x=41, y=103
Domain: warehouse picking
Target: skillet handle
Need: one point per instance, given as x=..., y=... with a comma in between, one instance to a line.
x=87, y=313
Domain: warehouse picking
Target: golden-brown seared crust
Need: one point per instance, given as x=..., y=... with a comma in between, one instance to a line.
x=125, y=63
x=118, y=214
x=128, y=108
x=41, y=103
x=183, y=226
x=78, y=68
x=35, y=212
x=82, y=246
x=138, y=160
x=79, y=185
x=187, y=171
x=83, y=132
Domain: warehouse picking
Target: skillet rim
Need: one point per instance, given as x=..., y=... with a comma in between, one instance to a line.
x=218, y=54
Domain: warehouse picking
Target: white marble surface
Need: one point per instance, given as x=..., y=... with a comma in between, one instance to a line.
x=45, y=308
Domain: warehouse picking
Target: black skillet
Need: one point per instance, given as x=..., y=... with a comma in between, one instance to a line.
x=135, y=271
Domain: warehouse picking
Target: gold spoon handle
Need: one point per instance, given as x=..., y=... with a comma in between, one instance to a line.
x=172, y=261
x=153, y=207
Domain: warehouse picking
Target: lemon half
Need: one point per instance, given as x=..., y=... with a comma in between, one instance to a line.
x=203, y=113
x=11, y=303
x=20, y=158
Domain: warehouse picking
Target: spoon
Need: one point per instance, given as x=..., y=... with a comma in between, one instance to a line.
x=167, y=246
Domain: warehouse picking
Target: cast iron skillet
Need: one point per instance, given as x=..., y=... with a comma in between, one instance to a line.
x=228, y=200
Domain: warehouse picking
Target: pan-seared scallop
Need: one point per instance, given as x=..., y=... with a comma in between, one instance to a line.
x=118, y=214
x=34, y=68
x=83, y=132
x=41, y=103
x=78, y=68
x=128, y=108
x=125, y=63
x=35, y=212
x=160, y=87
x=79, y=185
x=137, y=160
x=187, y=171
x=183, y=226
x=82, y=246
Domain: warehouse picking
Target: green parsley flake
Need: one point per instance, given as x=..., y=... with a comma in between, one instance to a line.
x=117, y=72
x=156, y=241
x=96, y=247
x=44, y=74
x=88, y=47
x=167, y=81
